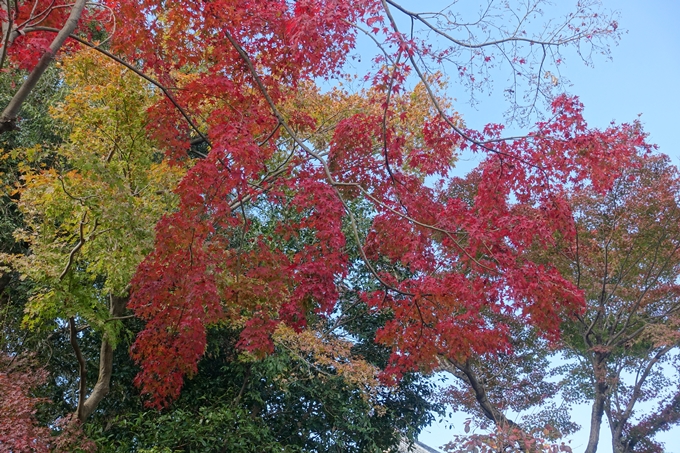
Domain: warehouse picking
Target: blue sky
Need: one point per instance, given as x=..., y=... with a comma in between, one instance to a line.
x=643, y=77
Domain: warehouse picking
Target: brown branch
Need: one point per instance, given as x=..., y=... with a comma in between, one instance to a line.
x=41, y=16
x=497, y=42
x=466, y=373
x=375, y=41
x=9, y=115
x=77, y=248
x=637, y=389
x=7, y=31
x=102, y=386
x=648, y=286
x=119, y=318
x=388, y=98
x=201, y=137
x=270, y=135
x=246, y=378
x=82, y=385
x=70, y=195
x=480, y=143
x=329, y=177
x=448, y=233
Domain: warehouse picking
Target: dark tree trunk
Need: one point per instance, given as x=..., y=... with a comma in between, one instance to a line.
x=601, y=387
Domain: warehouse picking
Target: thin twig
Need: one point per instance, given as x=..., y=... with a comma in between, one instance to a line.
x=78, y=246
x=119, y=318
x=496, y=42
x=480, y=143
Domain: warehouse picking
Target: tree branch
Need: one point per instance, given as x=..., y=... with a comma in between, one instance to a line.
x=201, y=136
x=82, y=369
x=9, y=115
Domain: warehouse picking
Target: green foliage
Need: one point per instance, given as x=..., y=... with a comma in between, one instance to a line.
x=91, y=203
x=288, y=402
x=36, y=125
x=207, y=428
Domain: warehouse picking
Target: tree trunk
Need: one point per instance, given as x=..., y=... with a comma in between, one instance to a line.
x=616, y=428
x=8, y=35
x=595, y=423
x=86, y=406
x=601, y=387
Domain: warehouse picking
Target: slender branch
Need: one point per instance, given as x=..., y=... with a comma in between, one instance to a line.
x=270, y=135
x=7, y=29
x=77, y=248
x=82, y=385
x=70, y=195
x=619, y=424
x=634, y=309
x=513, y=38
x=467, y=374
x=480, y=143
x=34, y=17
x=329, y=177
x=246, y=379
x=386, y=111
x=375, y=41
x=64, y=329
x=119, y=318
x=141, y=74
x=448, y=233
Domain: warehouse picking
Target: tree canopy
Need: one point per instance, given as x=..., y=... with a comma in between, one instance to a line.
x=224, y=198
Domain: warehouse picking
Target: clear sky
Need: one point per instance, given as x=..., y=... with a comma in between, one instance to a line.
x=642, y=78
x=644, y=75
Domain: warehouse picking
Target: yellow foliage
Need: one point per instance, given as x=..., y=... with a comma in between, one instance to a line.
x=325, y=352
x=90, y=213
x=408, y=110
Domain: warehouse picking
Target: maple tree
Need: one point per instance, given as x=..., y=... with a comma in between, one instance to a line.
x=108, y=169
x=620, y=355
x=20, y=378
x=626, y=258
x=18, y=430
x=231, y=74
x=453, y=252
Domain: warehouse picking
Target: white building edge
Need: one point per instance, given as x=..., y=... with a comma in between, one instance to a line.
x=416, y=447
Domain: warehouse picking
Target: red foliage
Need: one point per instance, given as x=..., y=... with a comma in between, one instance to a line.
x=462, y=252
x=31, y=20
x=18, y=428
